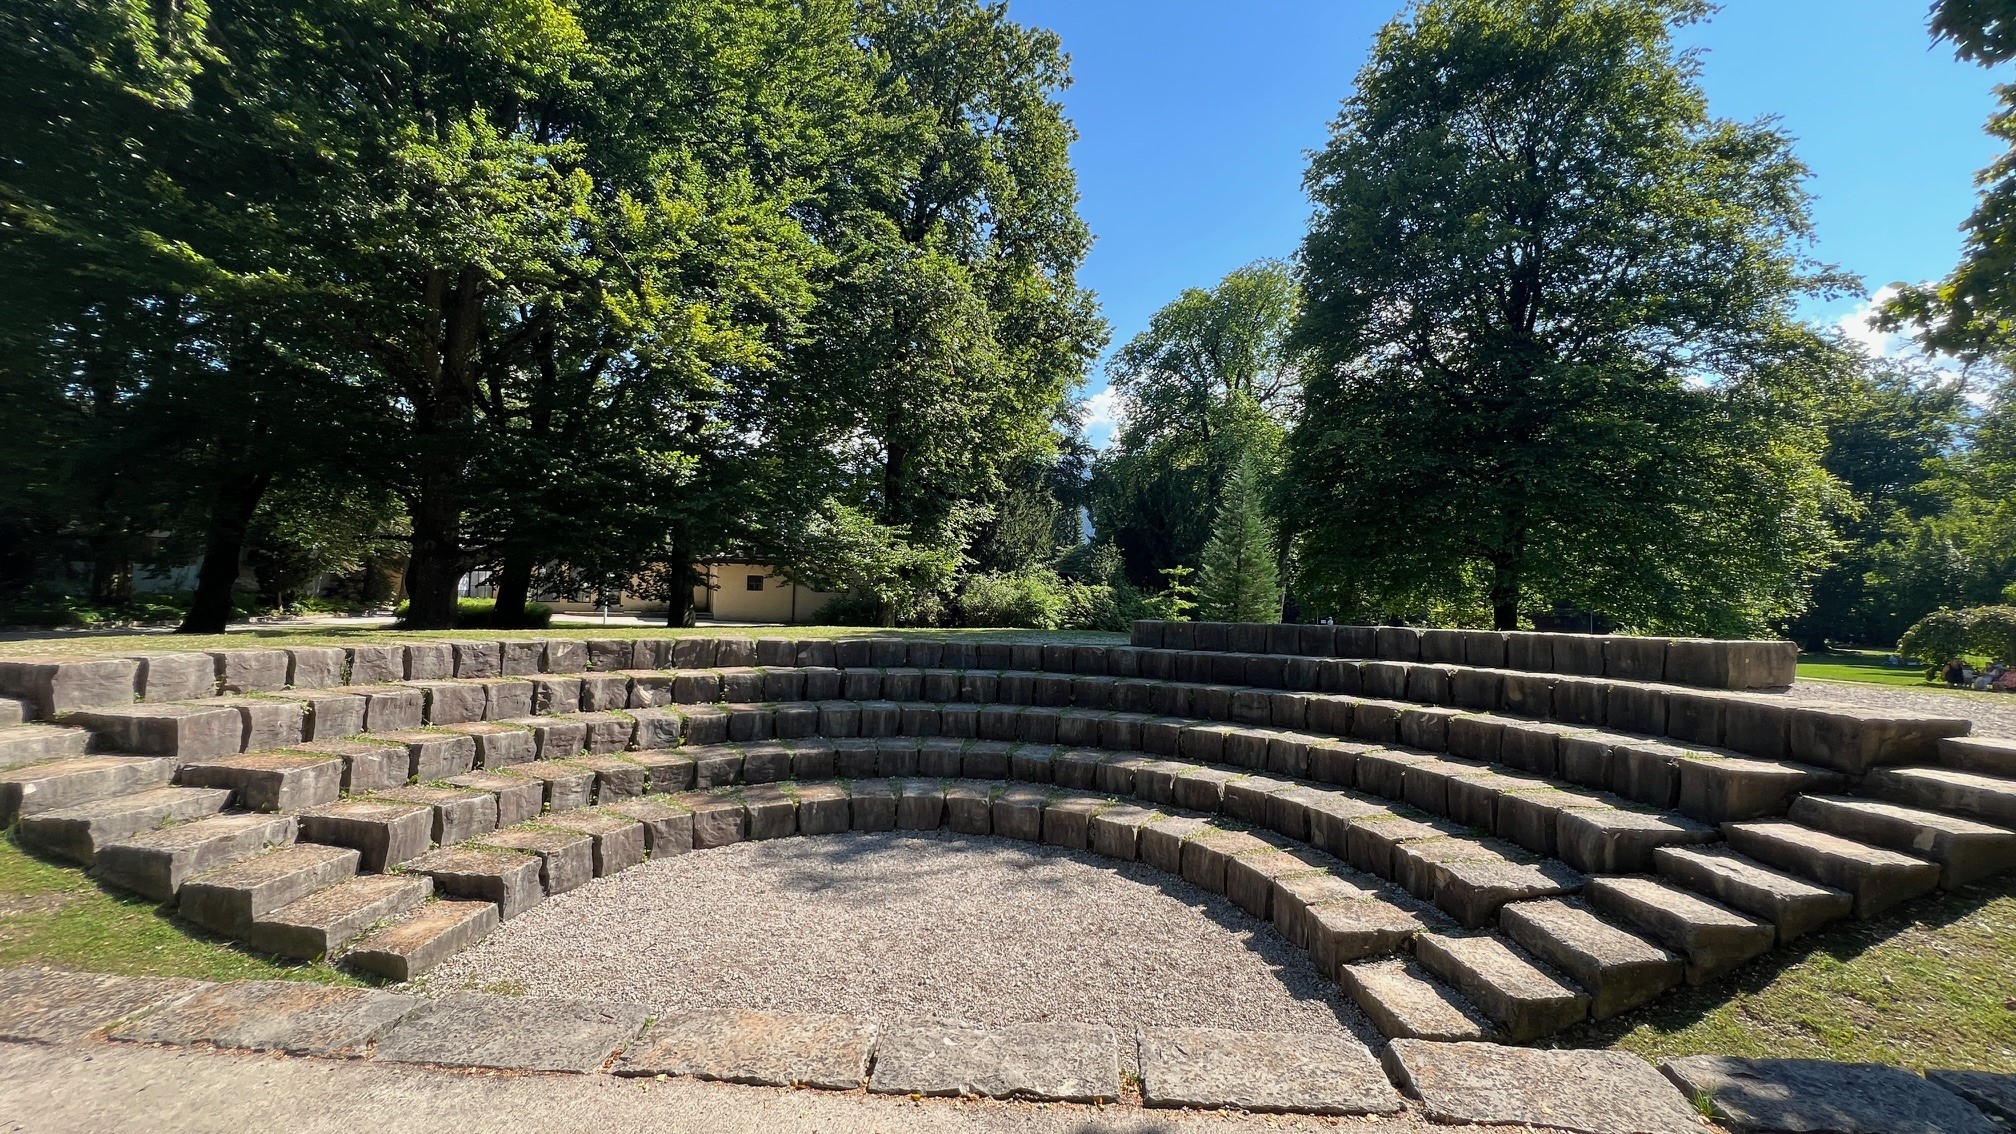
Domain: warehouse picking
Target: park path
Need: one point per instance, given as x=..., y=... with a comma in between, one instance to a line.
x=1993, y=714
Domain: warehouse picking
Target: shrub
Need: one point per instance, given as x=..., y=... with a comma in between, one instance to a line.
x=1034, y=599
x=1986, y=631
x=481, y=614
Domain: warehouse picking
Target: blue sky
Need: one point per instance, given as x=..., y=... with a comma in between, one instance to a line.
x=1196, y=116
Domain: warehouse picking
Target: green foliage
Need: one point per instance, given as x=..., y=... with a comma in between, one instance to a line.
x=481, y=614
x=1981, y=30
x=1208, y=385
x=1031, y=598
x=40, y=607
x=1239, y=581
x=1936, y=637
x=1550, y=303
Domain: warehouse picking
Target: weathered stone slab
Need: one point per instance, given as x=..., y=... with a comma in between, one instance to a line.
x=1995, y=1095
x=1263, y=1071
x=49, y=1006
x=57, y=685
x=1405, y=1003
x=274, y=1015
x=1813, y=1096
x=1061, y=1062
x=513, y=1034
x=766, y=1049
x=1588, y=1092
x=177, y=677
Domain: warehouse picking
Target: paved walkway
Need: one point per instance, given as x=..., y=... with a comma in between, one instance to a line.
x=114, y=1089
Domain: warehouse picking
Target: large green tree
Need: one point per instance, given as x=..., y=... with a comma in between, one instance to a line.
x=1210, y=385
x=1550, y=304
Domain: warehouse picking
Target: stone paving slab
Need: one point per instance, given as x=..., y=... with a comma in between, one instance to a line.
x=513, y=1034
x=47, y=1006
x=1586, y=1092
x=763, y=1048
x=1811, y=1096
x=274, y=1015
x=1217, y=1068
x=1056, y=1062
x=1994, y=1094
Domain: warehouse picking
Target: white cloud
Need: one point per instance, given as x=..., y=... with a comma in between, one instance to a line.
x=1103, y=416
x=1859, y=328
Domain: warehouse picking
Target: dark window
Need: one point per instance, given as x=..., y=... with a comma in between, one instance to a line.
x=755, y=582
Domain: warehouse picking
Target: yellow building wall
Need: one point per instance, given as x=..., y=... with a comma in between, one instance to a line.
x=729, y=598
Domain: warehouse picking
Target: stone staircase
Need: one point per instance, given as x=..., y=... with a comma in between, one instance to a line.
x=1475, y=845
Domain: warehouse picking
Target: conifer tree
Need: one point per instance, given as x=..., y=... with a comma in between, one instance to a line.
x=1239, y=582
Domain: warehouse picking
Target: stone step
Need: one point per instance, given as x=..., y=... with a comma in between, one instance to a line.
x=56, y=685
x=1792, y=905
x=566, y=858
x=15, y=710
x=619, y=841
x=566, y=786
x=77, y=833
x=1717, y=789
x=73, y=780
x=156, y=863
x=668, y=829
x=368, y=764
x=1619, y=969
x=1878, y=878
x=229, y=900
x=1973, y=794
x=460, y=814
x=322, y=923
x=1988, y=755
x=268, y=781
x=385, y=833
x=1511, y=988
x=509, y=879
x=269, y=722
x=518, y=800
x=1965, y=849
x=186, y=731
x=1713, y=938
x=423, y=939
x=33, y=743
x=432, y=756
x=1404, y=1002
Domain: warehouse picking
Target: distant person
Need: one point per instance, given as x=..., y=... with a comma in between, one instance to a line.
x=1955, y=672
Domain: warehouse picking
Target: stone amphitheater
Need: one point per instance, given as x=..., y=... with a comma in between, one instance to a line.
x=1483, y=838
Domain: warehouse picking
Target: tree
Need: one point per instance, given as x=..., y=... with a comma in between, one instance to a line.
x=1209, y=385
x=1239, y=581
x=1981, y=30
x=1549, y=303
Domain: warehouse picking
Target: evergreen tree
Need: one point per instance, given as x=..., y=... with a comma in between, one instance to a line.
x=1239, y=582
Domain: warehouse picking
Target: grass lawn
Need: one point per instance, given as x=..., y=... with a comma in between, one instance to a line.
x=78, y=642
x=52, y=914
x=1864, y=666
x=1926, y=985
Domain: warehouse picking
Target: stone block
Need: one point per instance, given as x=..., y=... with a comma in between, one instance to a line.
x=1801, y=1095
x=329, y=714
x=39, y=1005
x=1994, y=1095
x=251, y=670
x=384, y=833
x=1857, y=741
x=1038, y=1062
x=178, y=677
x=520, y=659
x=1212, y=1068
x=376, y=664
x=764, y=1049
x=508, y=879
x=1628, y=658
x=566, y=858
x=314, y=667
x=478, y=659
x=1583, y=1092
x=1398, y=643
x=1617, y=840
x=1531, y=652
x=1578, y=654
x=296, y=1017
x=1405, y=1003
x=423, y=939
x=183, y=731
x=513, y=1034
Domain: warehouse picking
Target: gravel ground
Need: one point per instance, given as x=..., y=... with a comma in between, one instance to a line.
x=936, y=924
x=1993, y=714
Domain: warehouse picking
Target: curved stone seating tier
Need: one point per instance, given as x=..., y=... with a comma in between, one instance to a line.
x=1554, y=865
x=1711, y=663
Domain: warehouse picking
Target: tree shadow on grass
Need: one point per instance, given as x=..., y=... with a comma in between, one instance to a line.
x=1842, y=942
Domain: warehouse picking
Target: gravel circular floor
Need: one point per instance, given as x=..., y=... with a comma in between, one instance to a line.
x=938, y=924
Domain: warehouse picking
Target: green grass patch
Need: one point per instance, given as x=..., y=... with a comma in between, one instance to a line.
x=1925, y=985
x=52, y=914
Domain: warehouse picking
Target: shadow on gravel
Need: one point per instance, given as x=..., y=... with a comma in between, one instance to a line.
x=1260, y=937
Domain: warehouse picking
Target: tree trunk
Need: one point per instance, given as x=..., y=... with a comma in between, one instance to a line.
x=436, y=565
x=230, y=517
x=1505, y=591
x=514, y=586
x=679, y=594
